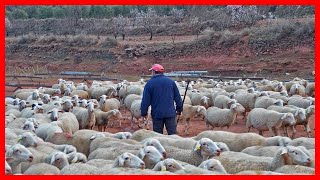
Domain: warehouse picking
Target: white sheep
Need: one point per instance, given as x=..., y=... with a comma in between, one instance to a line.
x=223, y=101
x=299, y=115
x=85, y=116
x=265, y=102
x=200, y=99
x=130, y=98
x=239, y=141
x=80, y=140
x=136, y=113
x=168, y=164
x=300, y=102
x=80, y=169
x=235, y=162
x=310, y=90
x=8, y=169
x=263, y=120
x=150, y=156
x=45, y=131
x=179, y=167
x=104, y=118
x=297, y=89
x=190, y=112
x=217, y=117
x=308, y=143
x=213, y=165
x=14, y=112
x=21, y=105
x=68, y=123
x=247, y=100
x=201, y=151
x=128, y=160
x=109, y=104
x=19, y=154
x=42, y=168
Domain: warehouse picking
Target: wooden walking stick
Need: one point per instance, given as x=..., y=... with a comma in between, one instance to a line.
x=184, y=97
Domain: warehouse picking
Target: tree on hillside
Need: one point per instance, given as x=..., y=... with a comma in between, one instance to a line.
x=247, y=15
x=150, y=20
x=8, y=26
x=177, y=15
x=119, y=26
x=196, y=25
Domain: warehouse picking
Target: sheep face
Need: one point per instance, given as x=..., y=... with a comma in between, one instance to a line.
x=28, y=126
x=19, y=151
x=201, y=110
x=8, y=169
x=297, y=155
x=289, y=119
x=301, y=113
x=169, y=164
x=157, y=145
x=129, y=160
x=207, y=148
x=28, y=139
x=59, y=159
x=237, y=107
x=310, y=110
x=151, y=153
x=212, y=165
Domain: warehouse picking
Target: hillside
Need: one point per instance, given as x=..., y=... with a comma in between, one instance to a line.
x=281, y=49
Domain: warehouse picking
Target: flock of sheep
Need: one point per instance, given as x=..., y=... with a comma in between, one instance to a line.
x=53, y=130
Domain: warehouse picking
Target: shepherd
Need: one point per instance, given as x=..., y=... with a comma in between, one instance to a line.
x=161, y=92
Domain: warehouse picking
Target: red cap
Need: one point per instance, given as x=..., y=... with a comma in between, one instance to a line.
x=157, y=67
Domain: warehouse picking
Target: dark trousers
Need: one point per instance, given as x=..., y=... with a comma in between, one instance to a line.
x=170, y=123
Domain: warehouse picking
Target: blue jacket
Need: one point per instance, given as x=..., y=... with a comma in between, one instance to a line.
x=160, y=92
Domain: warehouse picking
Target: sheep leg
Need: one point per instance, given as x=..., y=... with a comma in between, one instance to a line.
x=207, y=124
x=306, y=126
x=185, y=127
x=139, y=122
x=293, y=132
x=285, y=129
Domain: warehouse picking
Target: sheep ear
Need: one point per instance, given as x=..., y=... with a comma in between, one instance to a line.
x=197, y=146
x=284, y=151
x=296, y=113
x=308, y=110
x=233, y=106
x=49, y=112
x=19, y=138
x=92, y=137
x=198, y=109
x=163, y=168
x=284, y=116
x=75, y=159
x=53, y=158
x=120, y=161
x=141, y=154
x=114, y=112
x=230, y=101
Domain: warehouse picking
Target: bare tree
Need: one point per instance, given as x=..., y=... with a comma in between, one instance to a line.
x=8, y=26
x=196, y=25
x=119, y=26
x=243, y=14
x=177, y=15
x=150, y=20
